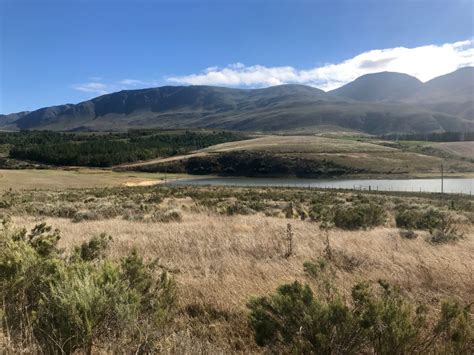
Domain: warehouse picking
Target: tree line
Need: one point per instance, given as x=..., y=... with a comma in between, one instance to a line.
x=102, y=150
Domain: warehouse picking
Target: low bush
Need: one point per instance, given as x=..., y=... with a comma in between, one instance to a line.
x=408, y=234
x=172, y=215
x=414, y=218
x=359, y=215
x=379, y=321
x=85, y=216
x=447, y=231
x=77, y=304
x=93, y=249
x=237, y=208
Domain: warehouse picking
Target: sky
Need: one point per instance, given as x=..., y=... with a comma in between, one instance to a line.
x=66, y=51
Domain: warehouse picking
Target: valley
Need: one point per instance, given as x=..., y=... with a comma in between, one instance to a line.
x=207, y=177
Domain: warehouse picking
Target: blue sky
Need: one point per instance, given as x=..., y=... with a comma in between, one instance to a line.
x=55, y=52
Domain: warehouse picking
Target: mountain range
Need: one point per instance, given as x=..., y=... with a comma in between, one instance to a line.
x=377, y=103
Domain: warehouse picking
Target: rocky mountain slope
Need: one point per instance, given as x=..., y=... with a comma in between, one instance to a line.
x=374, y=103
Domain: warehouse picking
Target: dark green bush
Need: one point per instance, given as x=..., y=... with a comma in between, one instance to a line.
x=428, y=219
x=359, y=215
x=72, y=304
x=94, y=248
x=382, y=321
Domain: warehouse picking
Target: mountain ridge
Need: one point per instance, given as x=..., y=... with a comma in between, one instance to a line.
x=384, y=102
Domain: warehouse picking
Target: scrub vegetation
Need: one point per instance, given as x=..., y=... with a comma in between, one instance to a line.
x=214, y=269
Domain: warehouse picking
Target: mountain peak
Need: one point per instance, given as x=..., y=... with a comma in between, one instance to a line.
x=378, y=103
x=457, y=86
x=380, y=86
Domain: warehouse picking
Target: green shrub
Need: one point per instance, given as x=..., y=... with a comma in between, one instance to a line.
x=237, y=208
x=359, y=215
x=66, y=305
x=381, y=321
x=294, y=320
x=428, y=219
x=454, y=329
x=319, y=212
x=42, y=239
x=93, y=249
x=446, y=231
x=172, y=215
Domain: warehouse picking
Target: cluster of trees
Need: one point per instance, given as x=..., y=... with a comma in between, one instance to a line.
x=261, y=164
x=108, y=149
x=432, y=137
x=252, y=164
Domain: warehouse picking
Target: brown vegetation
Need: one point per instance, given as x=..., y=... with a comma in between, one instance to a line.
x=223, y=246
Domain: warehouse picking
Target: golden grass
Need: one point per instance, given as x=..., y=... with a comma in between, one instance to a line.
x=222, y=261
x=219, y=262
x=57, y=179
x=300, y=144
x=462, y=149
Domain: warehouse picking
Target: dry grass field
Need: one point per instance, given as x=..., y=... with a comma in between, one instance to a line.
x=75, y=178
x=223, y=260
x=300, y=144
x=462, y=149
x=220, y=260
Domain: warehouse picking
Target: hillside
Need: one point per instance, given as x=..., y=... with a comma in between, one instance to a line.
x=452, y=94
x=454, y=87
x=308, y=157
x=376, y=104
x=380, y=86
x=7, y=121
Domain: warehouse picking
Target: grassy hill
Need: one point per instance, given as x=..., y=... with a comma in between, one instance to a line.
x=311, y=156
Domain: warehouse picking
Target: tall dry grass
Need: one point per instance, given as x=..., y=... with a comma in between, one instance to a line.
x=219, y=262
x=223, y=260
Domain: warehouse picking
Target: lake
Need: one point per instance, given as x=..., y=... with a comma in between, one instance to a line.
x=451, y=185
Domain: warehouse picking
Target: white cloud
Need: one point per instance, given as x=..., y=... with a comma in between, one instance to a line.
x=93, y=87
x=100, y=88
x=425, y=63
x=135, y=82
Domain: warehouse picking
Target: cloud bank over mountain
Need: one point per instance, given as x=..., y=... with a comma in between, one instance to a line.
x=424, y=62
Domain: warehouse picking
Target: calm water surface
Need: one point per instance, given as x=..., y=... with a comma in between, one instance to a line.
x=451, y=185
